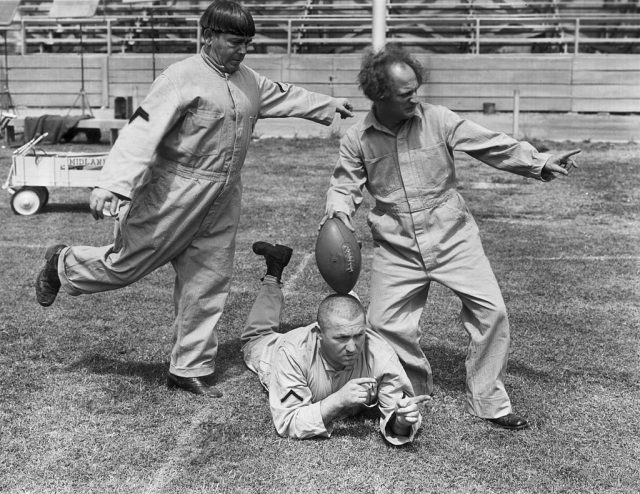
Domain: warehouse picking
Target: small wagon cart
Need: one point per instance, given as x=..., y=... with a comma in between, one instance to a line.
x=33, y=170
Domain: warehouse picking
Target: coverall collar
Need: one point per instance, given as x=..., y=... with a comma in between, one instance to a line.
x=212, y=63
x=370, y=120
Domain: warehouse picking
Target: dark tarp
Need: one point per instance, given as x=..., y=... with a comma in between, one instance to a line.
x=59, y=127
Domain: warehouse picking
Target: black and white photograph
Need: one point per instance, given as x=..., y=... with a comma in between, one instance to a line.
x=320, y=246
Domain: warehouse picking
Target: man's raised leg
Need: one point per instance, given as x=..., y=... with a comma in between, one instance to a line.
x=259, y=335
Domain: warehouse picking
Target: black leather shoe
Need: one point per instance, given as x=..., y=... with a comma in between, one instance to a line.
x=196, y=385
x=512, y=422
x=47, y=281
x=277, y=257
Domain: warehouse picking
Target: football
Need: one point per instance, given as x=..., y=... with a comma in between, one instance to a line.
x=338, y=256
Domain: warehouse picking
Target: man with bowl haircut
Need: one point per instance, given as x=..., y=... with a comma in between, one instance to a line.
x=422, y=230
x=173, y=179
x=328, y=370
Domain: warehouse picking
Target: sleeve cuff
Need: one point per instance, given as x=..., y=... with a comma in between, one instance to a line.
x=338, y=203
x=391, y=437
x=539, y=161
x=121, y=192
x=316, y=422
x=309, y=423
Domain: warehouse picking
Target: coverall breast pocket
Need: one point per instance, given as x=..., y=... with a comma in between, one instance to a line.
x=201, y=132
x=383, y=175
x=433, y=166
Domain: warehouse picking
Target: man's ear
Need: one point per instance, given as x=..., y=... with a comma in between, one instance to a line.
x=207, y=35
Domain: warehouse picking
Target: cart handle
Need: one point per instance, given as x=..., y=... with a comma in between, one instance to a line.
x=25, y=147
x=5, y=186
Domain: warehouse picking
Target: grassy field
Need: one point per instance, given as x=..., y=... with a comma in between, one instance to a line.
x=84, y=408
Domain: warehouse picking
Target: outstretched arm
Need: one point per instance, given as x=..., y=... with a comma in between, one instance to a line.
x=278, y=99
x=496, y=149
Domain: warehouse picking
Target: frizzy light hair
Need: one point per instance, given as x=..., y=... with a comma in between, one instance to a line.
x=373, y=78
x=227, y=16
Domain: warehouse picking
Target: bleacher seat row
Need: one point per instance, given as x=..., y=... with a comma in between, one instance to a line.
x=339, y=26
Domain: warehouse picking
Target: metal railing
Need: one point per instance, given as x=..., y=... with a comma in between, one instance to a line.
x=292, y=8
x=448, y=33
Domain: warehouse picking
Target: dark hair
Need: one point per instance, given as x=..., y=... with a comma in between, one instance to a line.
x=226, y=16
x=373, y=77
x=345, y=306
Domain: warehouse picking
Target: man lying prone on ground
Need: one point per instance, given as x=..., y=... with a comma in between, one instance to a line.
x=328, y=370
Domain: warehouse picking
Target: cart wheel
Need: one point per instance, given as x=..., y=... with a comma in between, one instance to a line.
x=43, y=192
x=26, y=201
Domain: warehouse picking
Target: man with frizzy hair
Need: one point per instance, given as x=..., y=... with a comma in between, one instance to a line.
x=173, y=180
x=403, y=153
x=328, y=370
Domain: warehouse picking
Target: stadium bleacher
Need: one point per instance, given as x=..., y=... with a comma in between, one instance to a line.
x=502, y=47
x=343, y=26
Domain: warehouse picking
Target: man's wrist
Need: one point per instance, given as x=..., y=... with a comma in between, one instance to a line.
x=330, y=408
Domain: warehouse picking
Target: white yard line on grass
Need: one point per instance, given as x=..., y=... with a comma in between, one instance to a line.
x=574, y=258
x=15, y=245
x=288, y=287
x=184, y=444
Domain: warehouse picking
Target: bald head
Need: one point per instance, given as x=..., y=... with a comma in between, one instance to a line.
x=339, y=309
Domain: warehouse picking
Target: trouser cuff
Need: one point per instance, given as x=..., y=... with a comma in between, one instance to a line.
x=185, y=372
x=65, y=284
x=489, y=409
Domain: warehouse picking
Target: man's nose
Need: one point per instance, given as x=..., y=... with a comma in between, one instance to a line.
x=351, y=346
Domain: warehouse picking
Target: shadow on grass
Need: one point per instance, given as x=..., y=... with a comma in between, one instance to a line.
x=155, y=372
x=449, y=372
x=60, y=207
x=447, y=364
x=229, y=361
x=152, y=372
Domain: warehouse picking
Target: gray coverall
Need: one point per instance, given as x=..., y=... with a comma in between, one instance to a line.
x=423, y=232
x=291, y=367
x=179, y=161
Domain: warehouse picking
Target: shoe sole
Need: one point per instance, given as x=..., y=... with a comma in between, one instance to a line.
x=510, y=428
x=209, y=391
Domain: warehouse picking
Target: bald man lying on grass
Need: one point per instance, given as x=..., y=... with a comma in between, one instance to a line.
x=328, y=370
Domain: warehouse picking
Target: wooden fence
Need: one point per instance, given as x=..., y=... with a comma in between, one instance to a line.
x=546, y=83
